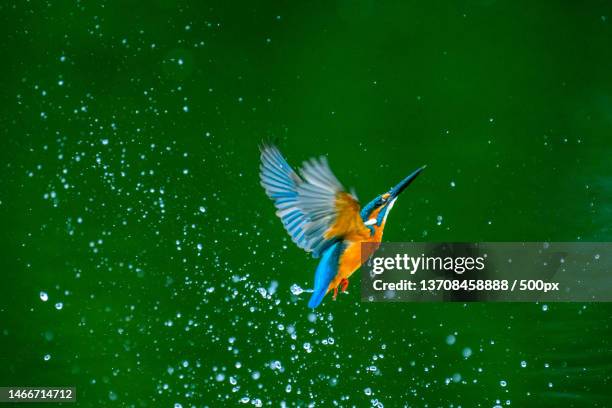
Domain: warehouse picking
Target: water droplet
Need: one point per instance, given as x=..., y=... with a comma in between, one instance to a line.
x=296, y=290
x=450, y=339
x=43, y=296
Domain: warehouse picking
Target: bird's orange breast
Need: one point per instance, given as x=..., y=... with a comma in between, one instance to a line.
x=353, y=257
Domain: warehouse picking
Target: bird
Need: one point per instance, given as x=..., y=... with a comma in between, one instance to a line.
x=324, y=219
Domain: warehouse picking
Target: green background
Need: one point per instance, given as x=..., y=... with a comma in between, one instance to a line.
x=130, y=134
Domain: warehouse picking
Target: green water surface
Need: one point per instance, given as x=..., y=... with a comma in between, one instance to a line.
x=130, y=199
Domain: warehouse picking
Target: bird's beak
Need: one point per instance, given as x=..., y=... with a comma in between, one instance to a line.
x=401, y=186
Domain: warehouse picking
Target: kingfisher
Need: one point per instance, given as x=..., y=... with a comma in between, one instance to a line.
x=324, y=219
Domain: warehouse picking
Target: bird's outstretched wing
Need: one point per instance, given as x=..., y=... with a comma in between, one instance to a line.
x=314, y=207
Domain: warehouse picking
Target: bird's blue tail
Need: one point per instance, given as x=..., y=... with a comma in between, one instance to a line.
x=325, y=273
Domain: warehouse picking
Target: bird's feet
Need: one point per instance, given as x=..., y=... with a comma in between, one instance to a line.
x=343, y=285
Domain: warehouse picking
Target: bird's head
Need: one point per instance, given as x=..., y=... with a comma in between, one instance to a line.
x=377, y=210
